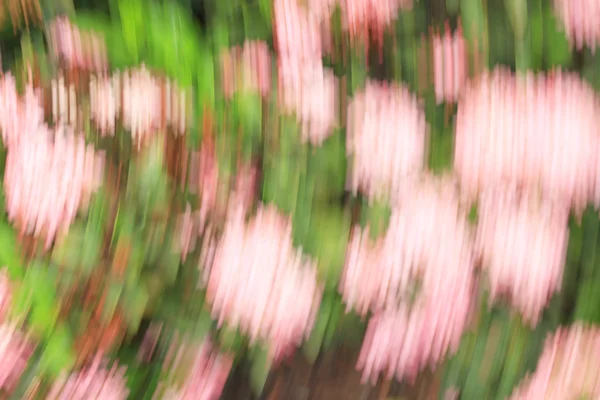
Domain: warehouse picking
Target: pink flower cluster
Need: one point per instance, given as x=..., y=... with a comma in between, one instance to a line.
x=144, y=103
x=95, y=381
x=84, y=50
x=580, y=21
x=260, y=284
x=420, y=298
x=48, y=178
x=247, y=69
x=534, y=131
x=20, y=117
x=306, y=88
x=387, y=134
x=206, y=373
x=568, y=367
x=361, y=16
x=64, y=102
x=449, y=65
x=523, y=243
x=311, y=92
x=15, y=351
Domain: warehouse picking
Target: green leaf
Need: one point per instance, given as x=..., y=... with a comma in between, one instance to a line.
x=313, y=345
x=330, y=229
x=376, y=216
x=259, y=369
x=111, y=301
x=556, y=45
x=134, y=302
x=9, y=255
x=58, y=353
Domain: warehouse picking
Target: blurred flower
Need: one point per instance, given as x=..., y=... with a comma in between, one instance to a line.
x=46, y=181
x=64, y=102
x=568, y=367
x=105, y=102
x=142, y=104
x=260, y=284
x=19, y=117
x=301, y=32
x=311, y=93
x=85, y=50
x=417, y=279
x=533, y=131
x=361, y=16
x=386, y=139
x=95, y=381
x=205, y=376
x=247, y=69
x=580, y=20
x=176, y=104
x=15, y=351
x=523, y=241
x=449, y=65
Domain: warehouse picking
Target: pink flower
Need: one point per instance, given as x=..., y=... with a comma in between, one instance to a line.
x=15, y=351
x=449, y=65
x=95, y=381
x=78, y=49
x=260, y=284
x=19, y=117
x=64, y=102
x=580, y=21
x=142, y=104
x=417, y=279
x=205, y=376
x=568, y=367
x=523, y=242
x=530, y=131
x=300, y=31
x=386, y=140
x=361, y=16
x=46, y=181
x=247, y=69
x=105, y=102
x=310, y=92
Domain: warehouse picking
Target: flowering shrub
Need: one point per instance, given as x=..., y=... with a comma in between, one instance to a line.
x=194, y=199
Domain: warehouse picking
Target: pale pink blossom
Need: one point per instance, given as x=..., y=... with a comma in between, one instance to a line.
x=64, y=102
x=522, y=238
x=260, y=284
x=417, y=279
x=311, y=92
x=387, y=134
x=48, y=178
x=15, y=351
x=538, y=131
x=95, y=381
x=449, y=65
x=105, y=102
x=206, y=372
x=19, y=116
x=300, y=31
x=359, y=17
x=85, y=50
x=142, y=104
x=580, y=21
x=568, y=367
x=247, y=69
x=177, y=103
